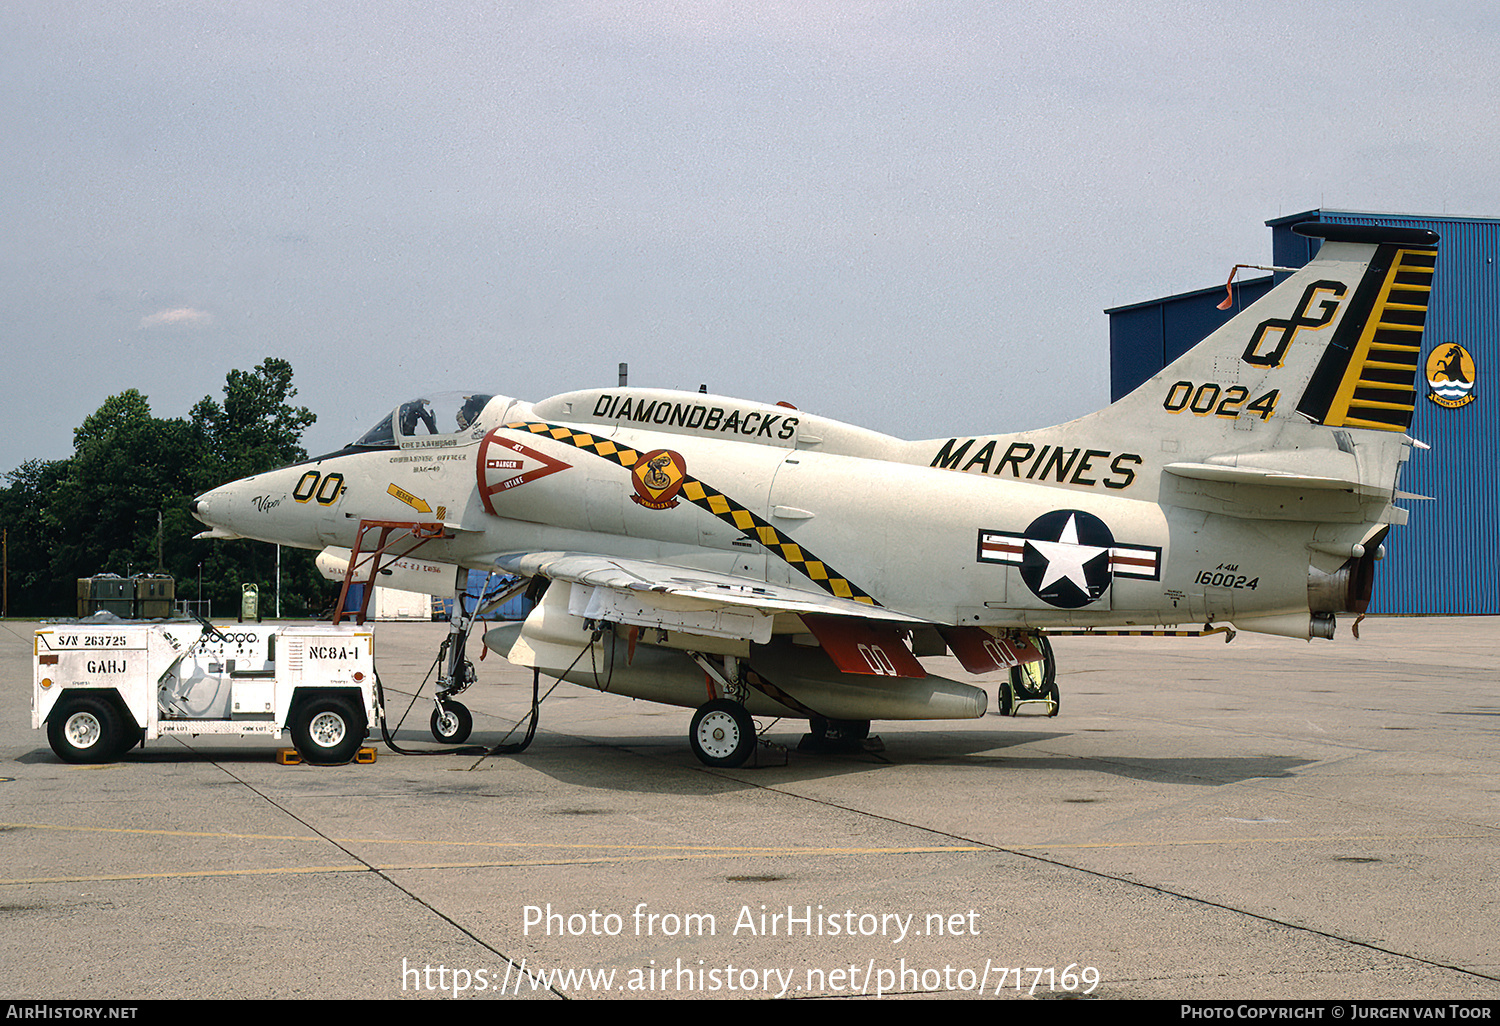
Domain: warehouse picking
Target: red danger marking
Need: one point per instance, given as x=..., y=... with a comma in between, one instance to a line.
x=540, y=466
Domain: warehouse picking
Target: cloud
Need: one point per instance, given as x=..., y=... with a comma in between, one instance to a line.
x=183, y=315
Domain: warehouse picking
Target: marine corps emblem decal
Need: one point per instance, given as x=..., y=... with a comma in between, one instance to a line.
x=658, y=477
x=1450, y=375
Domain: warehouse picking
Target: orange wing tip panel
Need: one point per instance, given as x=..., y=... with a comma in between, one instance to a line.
x=859, y=647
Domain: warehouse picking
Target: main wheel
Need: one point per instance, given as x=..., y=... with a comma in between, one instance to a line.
x=723, y=734
x=327, y=731
x=88, y=729
x=852, y=730
x=837, y=730
x=453, y=724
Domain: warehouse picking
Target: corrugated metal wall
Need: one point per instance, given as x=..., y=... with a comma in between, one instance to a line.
x=1146, y=337
x=1447, y=559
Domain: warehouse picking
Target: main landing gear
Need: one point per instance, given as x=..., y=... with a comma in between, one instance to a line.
x=722, y=734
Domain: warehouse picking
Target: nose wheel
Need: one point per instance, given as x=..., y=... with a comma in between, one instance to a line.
x=722, y=734
x=451, y=723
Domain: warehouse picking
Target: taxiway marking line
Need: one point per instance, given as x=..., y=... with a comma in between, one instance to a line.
x=657, y=853
x=428, y=842
x=750, y=850
x=418, y=866
x=189, y=874
x=665, y=855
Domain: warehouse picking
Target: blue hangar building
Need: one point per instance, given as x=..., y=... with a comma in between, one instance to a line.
x=1446, y=559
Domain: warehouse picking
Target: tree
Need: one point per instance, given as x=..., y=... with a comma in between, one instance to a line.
x=127, y=488
x=31, y=538
x=256, y=429
x=126, y=467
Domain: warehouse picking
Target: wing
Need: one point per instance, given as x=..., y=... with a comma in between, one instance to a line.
x=643, y=593
x=858, y=635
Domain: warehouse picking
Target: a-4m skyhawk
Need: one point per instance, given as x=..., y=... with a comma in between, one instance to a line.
x=745, y=559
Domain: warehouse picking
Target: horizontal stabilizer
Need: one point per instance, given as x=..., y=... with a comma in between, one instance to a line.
x=1262, y=477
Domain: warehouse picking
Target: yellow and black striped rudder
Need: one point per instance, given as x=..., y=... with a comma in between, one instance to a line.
x=1369, y=380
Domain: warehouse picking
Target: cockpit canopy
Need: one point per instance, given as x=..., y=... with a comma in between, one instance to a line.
x=438, y=414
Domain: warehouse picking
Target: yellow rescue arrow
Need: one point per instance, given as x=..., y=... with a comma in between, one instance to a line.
x=420, y=505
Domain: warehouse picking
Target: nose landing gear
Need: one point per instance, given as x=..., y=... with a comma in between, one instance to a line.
x=451, y=722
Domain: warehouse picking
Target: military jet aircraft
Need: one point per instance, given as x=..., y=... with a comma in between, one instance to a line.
x=747, y=559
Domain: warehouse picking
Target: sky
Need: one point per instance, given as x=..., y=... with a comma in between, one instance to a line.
x=906, y=215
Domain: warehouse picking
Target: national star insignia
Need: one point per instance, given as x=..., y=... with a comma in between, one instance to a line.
x=1067, y=558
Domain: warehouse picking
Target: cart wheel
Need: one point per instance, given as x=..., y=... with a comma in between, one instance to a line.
x=87, y=729
x=1036, y=680
x=453, y=723
x=1005, y=701
x=723, y=734
x=327, y=731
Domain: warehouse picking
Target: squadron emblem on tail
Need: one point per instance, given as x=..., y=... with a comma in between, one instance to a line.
x=1450, y=375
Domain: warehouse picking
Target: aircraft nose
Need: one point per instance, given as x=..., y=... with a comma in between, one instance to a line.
x=211, y=508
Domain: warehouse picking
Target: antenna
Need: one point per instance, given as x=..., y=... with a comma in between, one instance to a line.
x=1229, y=285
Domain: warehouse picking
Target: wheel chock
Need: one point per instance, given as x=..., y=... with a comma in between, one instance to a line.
x=291, y=757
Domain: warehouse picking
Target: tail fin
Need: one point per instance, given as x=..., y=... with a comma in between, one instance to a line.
x=1367, y=375
x=1336, y=345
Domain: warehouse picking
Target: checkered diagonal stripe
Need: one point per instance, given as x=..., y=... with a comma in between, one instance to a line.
x=623, y=455
x=720, y=505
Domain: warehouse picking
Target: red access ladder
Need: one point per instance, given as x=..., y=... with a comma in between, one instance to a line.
x=416, y=531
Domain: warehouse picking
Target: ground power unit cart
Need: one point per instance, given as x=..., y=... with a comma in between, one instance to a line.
x=101, y=689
